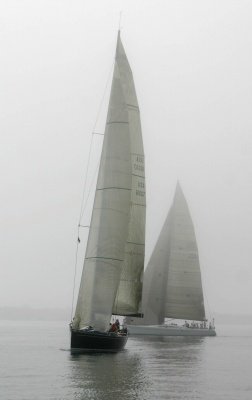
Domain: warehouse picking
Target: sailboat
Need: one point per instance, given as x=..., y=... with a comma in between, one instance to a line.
x=172, y=285
x=111, y=281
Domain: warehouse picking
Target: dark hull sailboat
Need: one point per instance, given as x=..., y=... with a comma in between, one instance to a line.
x=111, y=281
x=95, y=341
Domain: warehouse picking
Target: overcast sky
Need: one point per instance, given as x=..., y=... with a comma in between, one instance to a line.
x=192, y=64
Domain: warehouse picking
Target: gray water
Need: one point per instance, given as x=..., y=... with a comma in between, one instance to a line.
x=36, y=364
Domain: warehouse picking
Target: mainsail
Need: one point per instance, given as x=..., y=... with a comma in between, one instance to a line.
x=112, y=274
x=172, y=281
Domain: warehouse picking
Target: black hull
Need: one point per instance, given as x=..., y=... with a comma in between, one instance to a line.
x=95, y=341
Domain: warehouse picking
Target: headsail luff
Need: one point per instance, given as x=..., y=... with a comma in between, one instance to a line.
x=172, y=280
x=155, y=277
x=110, y=227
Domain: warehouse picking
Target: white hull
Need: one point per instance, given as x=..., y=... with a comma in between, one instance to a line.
x=169, y=330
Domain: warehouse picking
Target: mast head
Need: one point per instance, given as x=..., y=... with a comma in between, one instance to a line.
x=118, y=41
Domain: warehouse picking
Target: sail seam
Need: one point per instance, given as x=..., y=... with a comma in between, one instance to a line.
x=133, y=106
x=113, y=187
x=130, y=280
x=113, y=209
x=138, y=244
x=103, y=258
x=117, y=122
x=139, y=176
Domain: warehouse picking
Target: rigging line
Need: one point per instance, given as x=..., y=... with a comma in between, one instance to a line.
x=77, y=246
x=92, y=137
x=89, y=192
x=75, y=271
x=85, y=180
x=103, y=96
x=120, y=19
x=86, y=175
x=208, y=306
x=205, y=293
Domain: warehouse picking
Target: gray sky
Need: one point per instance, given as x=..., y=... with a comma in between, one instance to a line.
x=192, y=66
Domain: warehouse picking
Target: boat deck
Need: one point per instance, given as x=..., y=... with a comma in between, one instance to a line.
x=170, y=330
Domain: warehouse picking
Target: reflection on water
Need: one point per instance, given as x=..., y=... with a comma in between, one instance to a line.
x=169, y=368
x=107, y=376
x=148, y=366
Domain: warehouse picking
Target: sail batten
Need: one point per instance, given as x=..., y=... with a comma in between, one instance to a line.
x=102, y=258
x=118, y=188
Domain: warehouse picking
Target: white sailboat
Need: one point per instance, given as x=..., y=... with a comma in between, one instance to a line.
x=172, y=281
x=111, y=281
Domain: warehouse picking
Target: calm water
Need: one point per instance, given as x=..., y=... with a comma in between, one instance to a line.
x=35, y=364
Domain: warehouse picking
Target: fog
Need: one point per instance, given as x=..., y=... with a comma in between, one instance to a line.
x=192, y=64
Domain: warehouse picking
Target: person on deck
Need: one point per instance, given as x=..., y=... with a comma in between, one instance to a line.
x=117, y=324
x=113, y=328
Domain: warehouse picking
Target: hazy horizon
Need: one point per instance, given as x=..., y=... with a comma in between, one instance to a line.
x=64, y=314
x=191, y=63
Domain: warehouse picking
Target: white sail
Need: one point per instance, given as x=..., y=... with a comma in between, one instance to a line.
x=130, y=289
x=155, y=278
x=115, y=206
x=172, y=281
x=184, y=294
